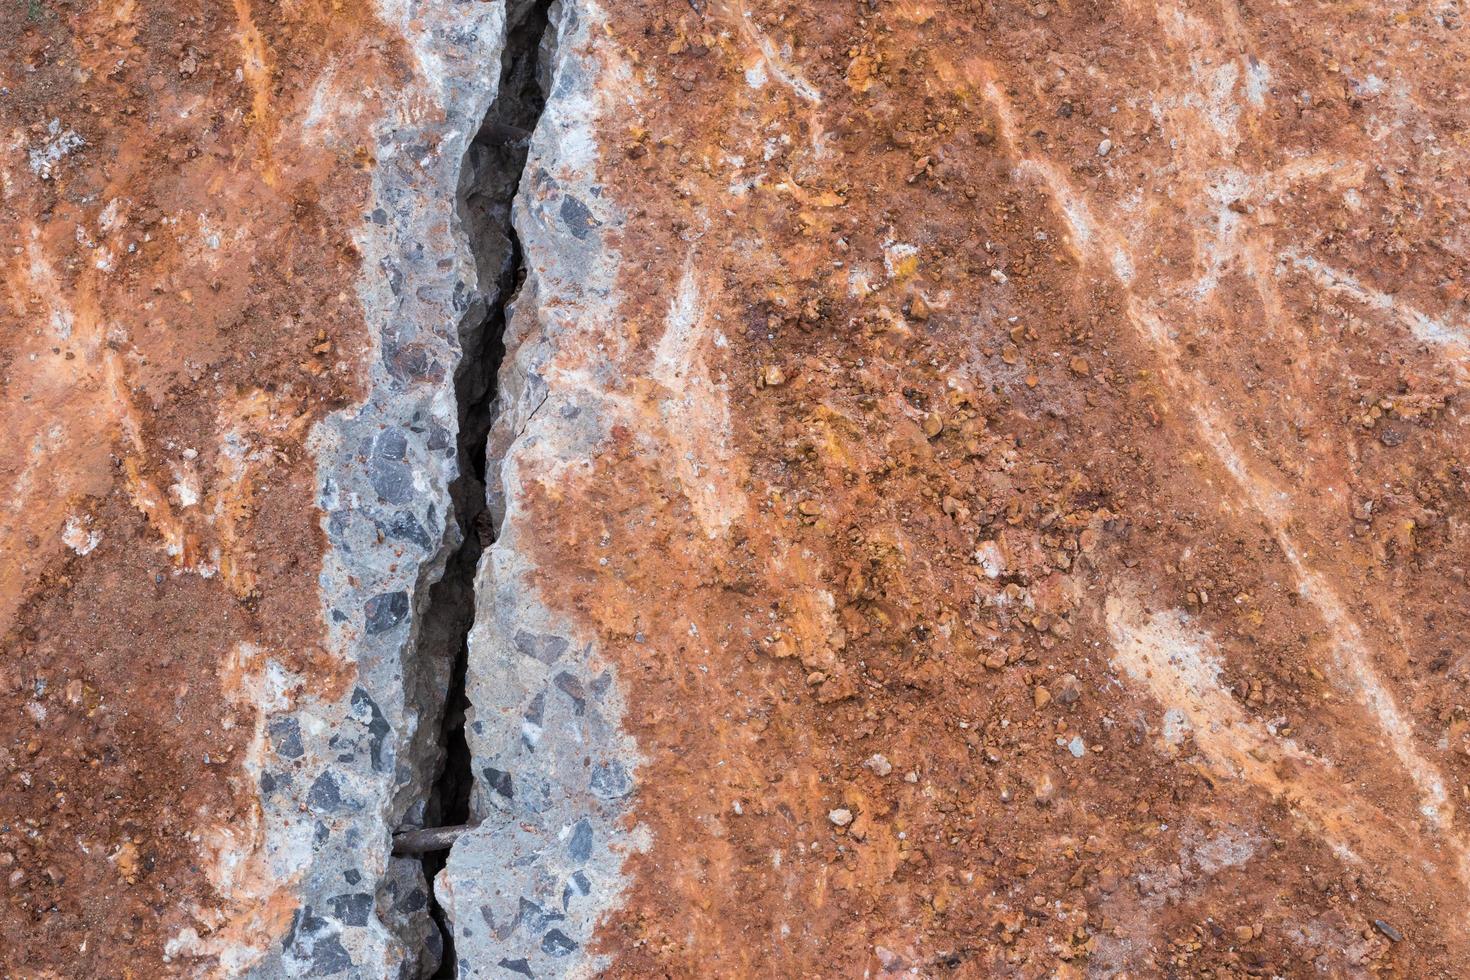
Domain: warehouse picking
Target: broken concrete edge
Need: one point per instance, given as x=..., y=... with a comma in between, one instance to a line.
x=554, y=773
x=309, y=886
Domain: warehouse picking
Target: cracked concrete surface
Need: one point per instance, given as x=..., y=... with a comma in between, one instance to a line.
x=975, y=489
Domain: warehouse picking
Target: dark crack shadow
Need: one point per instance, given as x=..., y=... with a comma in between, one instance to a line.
x=489, y=179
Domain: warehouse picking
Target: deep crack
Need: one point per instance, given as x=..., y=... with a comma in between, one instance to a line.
x=489, y=179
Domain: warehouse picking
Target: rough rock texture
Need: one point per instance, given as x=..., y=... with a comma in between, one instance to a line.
x=977, y=489
x=1001, y=464
x=235, y=281
x=553, y=769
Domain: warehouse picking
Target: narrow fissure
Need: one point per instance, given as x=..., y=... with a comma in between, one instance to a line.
x=488, y=182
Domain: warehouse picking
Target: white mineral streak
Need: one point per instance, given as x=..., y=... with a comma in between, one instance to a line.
x=1104, y=242
x=1164, y=655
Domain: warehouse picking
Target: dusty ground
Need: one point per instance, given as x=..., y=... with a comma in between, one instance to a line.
x=1040, y=547
x=177, y=314
x=1076, y=584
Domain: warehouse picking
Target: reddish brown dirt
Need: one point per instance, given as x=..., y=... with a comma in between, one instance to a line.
x=1272, y=462
x=181, y=277
x=890, y=438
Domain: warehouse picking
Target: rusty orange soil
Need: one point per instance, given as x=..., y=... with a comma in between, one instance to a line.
x=1060, y=391
x=1079, y=586
x=178, y=311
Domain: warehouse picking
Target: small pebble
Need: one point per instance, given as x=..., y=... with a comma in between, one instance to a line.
x=1104, y=148
x=841, y=817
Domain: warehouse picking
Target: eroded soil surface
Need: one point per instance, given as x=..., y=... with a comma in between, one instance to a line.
x=1036, y=545
x=178, y=312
